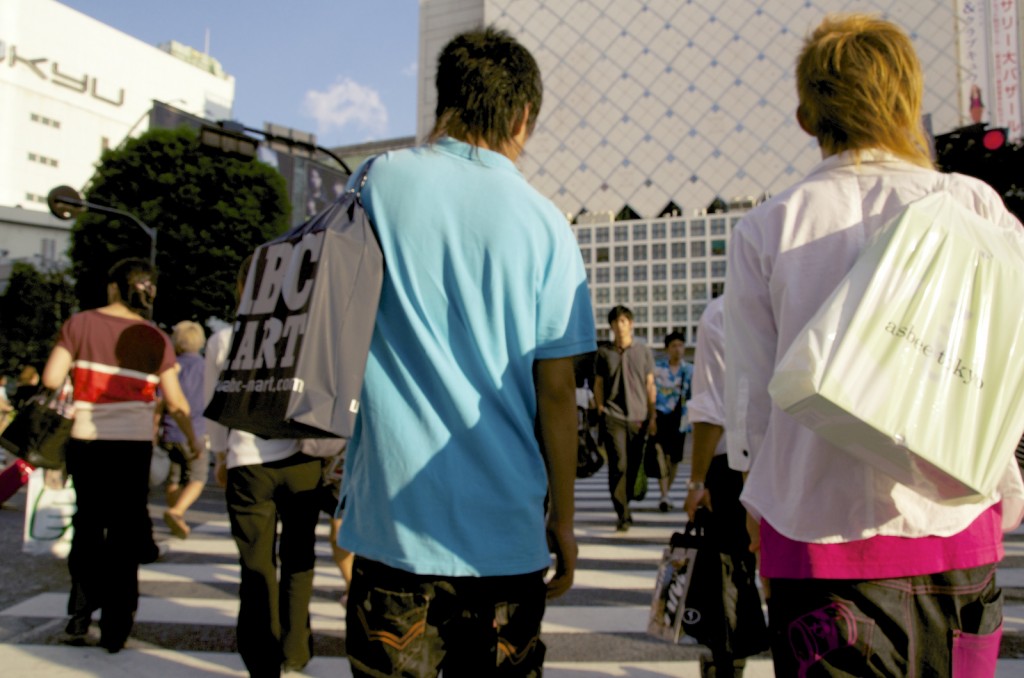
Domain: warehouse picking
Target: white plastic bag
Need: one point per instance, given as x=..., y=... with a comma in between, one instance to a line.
x=159, y=467
x=49, y=508
x=914, y=363
x=668, y=604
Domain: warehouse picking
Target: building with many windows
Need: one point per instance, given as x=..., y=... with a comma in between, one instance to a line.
x=664, y=269
x=73, y=86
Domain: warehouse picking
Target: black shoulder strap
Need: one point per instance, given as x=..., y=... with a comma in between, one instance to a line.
x=364, y=173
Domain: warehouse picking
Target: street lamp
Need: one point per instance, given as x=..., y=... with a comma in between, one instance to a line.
x=66, y=203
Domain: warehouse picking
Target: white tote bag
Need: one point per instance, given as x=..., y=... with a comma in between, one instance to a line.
x=49, y=508
x=915, y=363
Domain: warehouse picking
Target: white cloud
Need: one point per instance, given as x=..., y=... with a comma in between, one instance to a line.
x=412, y=70
x=347, y=105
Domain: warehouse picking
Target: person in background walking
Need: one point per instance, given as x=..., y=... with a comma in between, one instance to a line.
x=716, y=487
x=188, y=473
x=26, y=386
x=330, y=496
x=6, y=409
x=625, y=394
x=117, y=359
x=267, y=481
x=672, y=377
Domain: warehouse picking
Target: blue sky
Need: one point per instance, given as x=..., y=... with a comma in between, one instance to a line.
x=343, y=69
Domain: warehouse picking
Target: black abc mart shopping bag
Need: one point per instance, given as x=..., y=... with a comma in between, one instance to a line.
x=305, y=321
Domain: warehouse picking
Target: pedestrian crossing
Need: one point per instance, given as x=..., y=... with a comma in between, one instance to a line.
x=188, y=606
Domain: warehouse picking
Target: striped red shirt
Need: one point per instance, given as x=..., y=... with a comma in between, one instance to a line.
x=116, y=367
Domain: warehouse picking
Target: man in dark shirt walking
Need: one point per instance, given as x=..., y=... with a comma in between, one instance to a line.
x=625, y=395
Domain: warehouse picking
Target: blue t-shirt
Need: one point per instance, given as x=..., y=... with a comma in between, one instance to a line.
x=671, y=386
x=191, y=379
x=444, y=474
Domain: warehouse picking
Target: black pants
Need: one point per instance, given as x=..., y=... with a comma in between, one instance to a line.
x=742, y=631
x=112, y=525
x=670, y=438
x=624, y=443
x=273, y=617
x=399, y=623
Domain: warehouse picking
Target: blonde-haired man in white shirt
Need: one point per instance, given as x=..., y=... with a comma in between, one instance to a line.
x=868, y=576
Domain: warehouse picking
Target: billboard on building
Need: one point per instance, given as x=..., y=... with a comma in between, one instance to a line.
x=988, y=40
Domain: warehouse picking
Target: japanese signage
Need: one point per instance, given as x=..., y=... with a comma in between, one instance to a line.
x=1006, y=66
x=989, y=50
x=974, y=59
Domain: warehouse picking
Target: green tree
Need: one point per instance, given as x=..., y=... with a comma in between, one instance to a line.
x=32, y=309
x=209, y=210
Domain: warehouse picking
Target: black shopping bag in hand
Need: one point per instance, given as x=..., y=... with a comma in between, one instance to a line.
x=588, y=459
x=305, y=321
x=41, y=429
x=704, y=605
x=673, y=583
x=708, y=595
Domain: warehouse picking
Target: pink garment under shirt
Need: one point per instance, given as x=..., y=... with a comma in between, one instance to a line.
x=884, y=557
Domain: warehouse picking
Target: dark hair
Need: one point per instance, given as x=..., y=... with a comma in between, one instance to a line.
x=131, y=276
x=674, y=336
x=485, y=80
x=618, y=311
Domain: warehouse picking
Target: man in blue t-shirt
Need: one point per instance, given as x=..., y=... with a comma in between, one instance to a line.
x=467, y=427
x=672, y=377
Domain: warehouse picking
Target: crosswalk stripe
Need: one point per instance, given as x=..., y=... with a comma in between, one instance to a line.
x=76, y=662
x=327, y=616
x=327, y=577
x=595, y=630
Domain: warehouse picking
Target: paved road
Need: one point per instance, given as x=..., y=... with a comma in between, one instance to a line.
x=185, y=624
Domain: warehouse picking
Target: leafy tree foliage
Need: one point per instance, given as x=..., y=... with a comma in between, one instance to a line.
x=32, y=310
x=209, y=210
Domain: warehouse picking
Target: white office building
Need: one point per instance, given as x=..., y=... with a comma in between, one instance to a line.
x=72, y=87
x=664, y=105
x=664, y=269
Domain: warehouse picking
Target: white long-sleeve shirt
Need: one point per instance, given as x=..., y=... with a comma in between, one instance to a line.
x=243, y=448
x=707, y=387
x=785, y=258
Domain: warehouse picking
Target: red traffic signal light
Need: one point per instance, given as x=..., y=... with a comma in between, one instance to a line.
x=994, y=139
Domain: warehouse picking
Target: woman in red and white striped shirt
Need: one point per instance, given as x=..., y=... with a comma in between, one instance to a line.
x=117, y=359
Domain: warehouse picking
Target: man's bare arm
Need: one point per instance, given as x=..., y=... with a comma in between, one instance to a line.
x=556, y=418
x=705, y=440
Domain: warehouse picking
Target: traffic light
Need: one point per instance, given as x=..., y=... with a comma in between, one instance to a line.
x=969, y=149
x=989, y=155
x=994, y=139
x=230, y=141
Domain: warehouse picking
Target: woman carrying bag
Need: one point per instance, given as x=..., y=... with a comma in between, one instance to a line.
x=117, y=359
